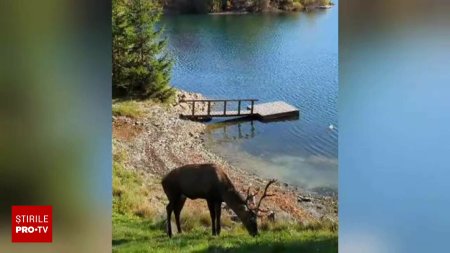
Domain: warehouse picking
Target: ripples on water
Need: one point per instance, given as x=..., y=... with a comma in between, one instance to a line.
x=292, y=58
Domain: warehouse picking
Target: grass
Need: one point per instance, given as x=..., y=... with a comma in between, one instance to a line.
x=129, y=192
x=134, y=234
x=129, y=108
x=133, y=108
x=138, y=227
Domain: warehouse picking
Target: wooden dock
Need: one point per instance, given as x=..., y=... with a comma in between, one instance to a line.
x=275, y=110
x=205, y=109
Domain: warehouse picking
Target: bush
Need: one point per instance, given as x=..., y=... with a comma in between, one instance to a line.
x=307, y=3
x=297, y=6
x=215, y=5
x=325, y=2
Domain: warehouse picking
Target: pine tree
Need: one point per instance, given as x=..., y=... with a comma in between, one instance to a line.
x=119, y=48
x=141, y=66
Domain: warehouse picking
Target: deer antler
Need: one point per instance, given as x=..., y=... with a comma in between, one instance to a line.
x=265, y=194
x=250, y=195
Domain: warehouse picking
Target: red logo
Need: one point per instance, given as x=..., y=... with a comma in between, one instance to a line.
x=31, y=224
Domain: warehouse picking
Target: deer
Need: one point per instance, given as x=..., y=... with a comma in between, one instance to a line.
x=210, y=182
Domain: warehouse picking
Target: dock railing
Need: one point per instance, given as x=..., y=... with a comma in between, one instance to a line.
x=221, y=113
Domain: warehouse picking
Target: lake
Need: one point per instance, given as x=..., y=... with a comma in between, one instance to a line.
x=289, y=57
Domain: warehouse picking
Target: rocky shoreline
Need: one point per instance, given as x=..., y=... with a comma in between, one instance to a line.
x=159, y=141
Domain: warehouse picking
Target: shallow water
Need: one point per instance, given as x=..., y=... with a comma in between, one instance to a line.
x=289, y=57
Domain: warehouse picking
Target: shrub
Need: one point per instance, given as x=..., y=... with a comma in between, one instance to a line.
x=297, y=6
x=324, y=2
x=307, y=3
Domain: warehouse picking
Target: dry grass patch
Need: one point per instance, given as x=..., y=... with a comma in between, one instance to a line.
x=128, y=108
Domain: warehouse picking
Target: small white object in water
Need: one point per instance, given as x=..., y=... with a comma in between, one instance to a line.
x=331, y=126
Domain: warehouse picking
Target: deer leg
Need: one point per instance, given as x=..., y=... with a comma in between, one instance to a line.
x=218, y=207
x=177, y=210
x=169, y=209
x=213, y=216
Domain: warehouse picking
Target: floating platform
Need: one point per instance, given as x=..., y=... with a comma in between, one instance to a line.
x=275, y=110
x=270, y=111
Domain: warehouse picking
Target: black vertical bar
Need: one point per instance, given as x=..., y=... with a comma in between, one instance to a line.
x=193, y=108
x=209, y=108
x=239, y=107
x=252, y=129
x=225, y=107
x=239, y=131
x=251, y=109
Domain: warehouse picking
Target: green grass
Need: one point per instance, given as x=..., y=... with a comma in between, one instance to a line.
x=134, y=234
x=128, y=108
x=130, y=196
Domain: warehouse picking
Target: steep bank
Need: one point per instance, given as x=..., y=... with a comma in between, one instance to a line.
x=243, y=6
x=154, y=141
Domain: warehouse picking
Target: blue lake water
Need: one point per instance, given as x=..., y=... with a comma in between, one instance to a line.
x=288, y=57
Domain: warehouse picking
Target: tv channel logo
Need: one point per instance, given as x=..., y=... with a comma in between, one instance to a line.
x=31, y=224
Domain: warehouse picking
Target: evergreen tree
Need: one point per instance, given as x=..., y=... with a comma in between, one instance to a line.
x=141, y=66
x=119, y=46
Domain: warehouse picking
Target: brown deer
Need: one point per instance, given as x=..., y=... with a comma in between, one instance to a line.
x=210, y=182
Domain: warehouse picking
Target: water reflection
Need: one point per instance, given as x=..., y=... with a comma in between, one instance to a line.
x=238, y=128
x=232, y=130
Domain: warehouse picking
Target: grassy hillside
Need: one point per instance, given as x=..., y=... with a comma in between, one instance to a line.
x=139, y=223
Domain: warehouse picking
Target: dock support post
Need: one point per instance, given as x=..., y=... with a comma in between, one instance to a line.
x=239, y=107
x=251, y=108
x=225, y=107
x=209, y=108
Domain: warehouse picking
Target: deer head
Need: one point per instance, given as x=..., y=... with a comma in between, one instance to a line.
x=253, y=209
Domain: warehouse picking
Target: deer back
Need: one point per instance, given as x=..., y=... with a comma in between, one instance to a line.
x=197, y=181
